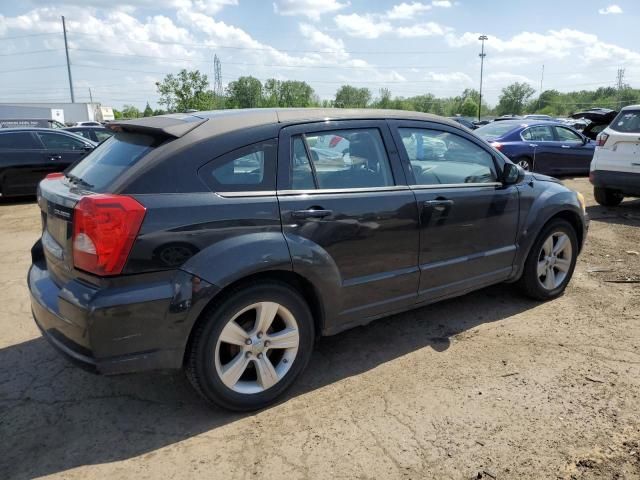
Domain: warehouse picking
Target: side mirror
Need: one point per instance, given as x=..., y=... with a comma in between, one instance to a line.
x=87, y=147
x=512, y=174
x=585, y=140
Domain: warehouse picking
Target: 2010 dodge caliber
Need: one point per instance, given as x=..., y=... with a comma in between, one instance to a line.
x=224, y=243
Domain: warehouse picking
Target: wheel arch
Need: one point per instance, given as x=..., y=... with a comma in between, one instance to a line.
x=294, y=280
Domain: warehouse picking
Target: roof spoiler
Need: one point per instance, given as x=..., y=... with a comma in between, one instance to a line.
x=175, y=125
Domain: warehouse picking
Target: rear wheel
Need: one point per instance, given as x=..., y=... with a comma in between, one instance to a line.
x=551, y=261
x=526, y=163
x=607, y=197
x=250, y=348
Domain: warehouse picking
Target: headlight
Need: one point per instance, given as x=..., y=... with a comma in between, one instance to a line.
x=582, y=202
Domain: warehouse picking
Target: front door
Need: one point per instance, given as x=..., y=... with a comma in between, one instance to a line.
x=22, y=164
x=573, y=154
x=468, y=219
x=349, y=218
x=62, y=150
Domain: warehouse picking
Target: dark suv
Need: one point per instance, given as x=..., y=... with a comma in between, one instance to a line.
x=226, y=242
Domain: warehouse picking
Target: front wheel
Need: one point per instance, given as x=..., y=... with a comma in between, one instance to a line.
x=551, y=261
x=607, y=197
x=250, y=348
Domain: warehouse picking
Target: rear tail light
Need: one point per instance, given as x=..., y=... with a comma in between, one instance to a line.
x=496, y=145
x=104, y=229
x=601, y=139
x=53, y=176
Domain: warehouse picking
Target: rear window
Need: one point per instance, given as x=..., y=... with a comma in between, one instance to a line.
x=495, y=129
x=627, y=121
x=108, y=161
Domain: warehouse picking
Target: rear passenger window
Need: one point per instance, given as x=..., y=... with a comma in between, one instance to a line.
x=18, y=141
x=541, y=133
x=248, y=169
x=439, y=158
x=55, y=141
x=627, y=121
x=340, y=159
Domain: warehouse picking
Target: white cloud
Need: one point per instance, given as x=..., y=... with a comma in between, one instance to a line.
x=429, y=29
x=363, y=26
x=313, y=9
x=407, y=11
x=321, y=40
x=610, y=10
x=442, y=3
x=450, y=77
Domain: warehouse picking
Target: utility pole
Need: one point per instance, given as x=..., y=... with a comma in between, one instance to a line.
x=217, y=82
x=482, y=38
x=541, y=80
x=66, y=49
x=620, y=84
x=90, y=96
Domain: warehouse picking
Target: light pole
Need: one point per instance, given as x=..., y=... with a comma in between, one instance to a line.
x=482, y=38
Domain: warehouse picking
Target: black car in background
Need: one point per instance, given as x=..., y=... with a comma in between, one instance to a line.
x=225, y=242
x=95, y=134
x=27, y=155
x=598, y=120
x=465, y=122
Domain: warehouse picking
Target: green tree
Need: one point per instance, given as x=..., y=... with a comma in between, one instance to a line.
x=129, y=111
x=185, y=91
x=159, y=111
x=514, y=98
x=469, y=108
x=352, y=97
x=385, y=100
x=148, y=111
x=246, y=92
x=117, y=114
x=289, y=93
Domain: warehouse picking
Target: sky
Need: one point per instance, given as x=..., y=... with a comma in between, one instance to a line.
x=119, y=49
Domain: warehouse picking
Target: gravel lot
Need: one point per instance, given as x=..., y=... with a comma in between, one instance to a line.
x=490, y=385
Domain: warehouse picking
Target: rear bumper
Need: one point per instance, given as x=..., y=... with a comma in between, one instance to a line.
x=626, y=182
x=142, y=326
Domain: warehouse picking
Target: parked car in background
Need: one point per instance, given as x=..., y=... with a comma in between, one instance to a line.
x=465, y=122
x=89, y=123
x=30, y=122
x=615, y=169
x=595, y=120
x=537, y=116
x=295, y=243
x=27, y=155
x=506, y=117
x=95, y=134
x=540, y=146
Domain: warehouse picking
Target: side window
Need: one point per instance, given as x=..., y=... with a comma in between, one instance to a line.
x=566, y=135
x=340, y=159
x=56, y=141
x=84, y=133
x=439, y=158
x=541, y=133
x=18, y=141
x=248, y=169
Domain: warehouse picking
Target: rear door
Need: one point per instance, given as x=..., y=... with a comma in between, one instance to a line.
x=22, y=164
x=468, y=219
x=541, y=139
x=62, y=150
x=345, y=206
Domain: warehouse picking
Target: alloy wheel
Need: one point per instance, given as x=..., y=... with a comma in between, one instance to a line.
x=257, y=347
x=554, y=260
x=524, y=164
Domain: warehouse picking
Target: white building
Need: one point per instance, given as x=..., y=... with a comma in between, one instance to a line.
x=62, y=112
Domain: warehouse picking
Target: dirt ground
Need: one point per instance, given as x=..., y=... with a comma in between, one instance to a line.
x=490, y=385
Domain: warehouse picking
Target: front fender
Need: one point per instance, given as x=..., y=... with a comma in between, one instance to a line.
x=540, y=201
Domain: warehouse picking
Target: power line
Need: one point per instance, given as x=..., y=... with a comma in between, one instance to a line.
x=29, y=35
x=30, y=68
x=31, y=52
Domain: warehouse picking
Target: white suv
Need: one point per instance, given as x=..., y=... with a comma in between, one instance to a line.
x=615, y=168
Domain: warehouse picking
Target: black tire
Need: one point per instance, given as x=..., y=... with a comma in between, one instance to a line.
x=529, y=282
x=200, y=360
x=607, y=197
x=528, y=161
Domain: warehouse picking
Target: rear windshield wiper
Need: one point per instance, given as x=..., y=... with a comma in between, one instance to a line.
x=77, y=180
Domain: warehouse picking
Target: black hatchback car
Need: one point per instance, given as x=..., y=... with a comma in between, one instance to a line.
x=27, y=155
x=225, y=242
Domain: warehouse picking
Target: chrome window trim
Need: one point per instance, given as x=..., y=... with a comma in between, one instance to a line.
x=455, y=185
x=321, y=191
x=248, y=193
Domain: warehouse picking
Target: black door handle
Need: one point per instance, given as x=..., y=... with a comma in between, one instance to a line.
x=55, y=157
x=438, y=205
x=311, y=213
